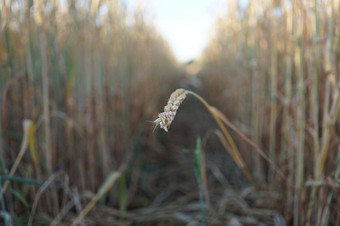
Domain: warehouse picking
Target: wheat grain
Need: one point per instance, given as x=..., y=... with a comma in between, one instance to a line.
x=165, y=118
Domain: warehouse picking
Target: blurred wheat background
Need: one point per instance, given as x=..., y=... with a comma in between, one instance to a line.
x=80, y=79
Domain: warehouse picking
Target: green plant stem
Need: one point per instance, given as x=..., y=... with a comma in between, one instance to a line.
x=315, y=91
x=3, y=206
x=26, y=181
x=198, y=169
x=287, y=120
x=300, y=123
x=273, y=105
x=45, y=100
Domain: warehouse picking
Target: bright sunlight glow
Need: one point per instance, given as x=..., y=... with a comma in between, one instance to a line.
x=184, y=24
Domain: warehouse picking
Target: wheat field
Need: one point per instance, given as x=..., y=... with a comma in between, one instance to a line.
x=102, y=125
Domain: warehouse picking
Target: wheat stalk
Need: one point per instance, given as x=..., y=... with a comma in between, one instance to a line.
x=176, y=98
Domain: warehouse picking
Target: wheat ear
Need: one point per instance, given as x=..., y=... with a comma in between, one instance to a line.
x=165, y=118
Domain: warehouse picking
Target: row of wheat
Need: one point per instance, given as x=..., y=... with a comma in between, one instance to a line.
x=274, y=67
x=79, y=72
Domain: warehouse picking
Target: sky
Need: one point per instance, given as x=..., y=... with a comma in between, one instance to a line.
x=185, y=24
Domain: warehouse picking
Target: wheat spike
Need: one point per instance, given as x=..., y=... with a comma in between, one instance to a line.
x=165, y=118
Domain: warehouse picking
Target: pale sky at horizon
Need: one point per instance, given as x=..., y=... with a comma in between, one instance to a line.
x=184, y=24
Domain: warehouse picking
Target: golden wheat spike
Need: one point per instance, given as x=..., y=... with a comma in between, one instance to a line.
x=165, y=118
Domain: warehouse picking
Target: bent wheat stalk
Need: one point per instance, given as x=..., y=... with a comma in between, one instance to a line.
x=165, y=119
